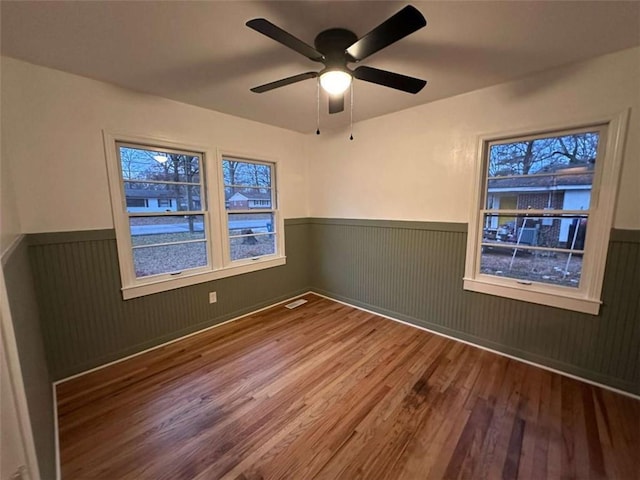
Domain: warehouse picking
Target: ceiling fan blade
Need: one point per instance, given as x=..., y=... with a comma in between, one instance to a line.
x=389, y=79
x=285, y=81
x=336, y=103
x=274, y=32
x=403, y=23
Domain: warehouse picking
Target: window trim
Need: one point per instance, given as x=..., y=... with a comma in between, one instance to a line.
x=587, y=298
x=218, y=268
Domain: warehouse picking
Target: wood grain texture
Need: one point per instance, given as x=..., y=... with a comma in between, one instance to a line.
x=327, y=391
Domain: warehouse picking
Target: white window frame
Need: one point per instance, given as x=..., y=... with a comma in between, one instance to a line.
x=278, y=221
x=586, y=298
x=219, y=264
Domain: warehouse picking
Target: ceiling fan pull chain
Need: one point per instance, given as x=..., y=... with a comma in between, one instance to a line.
x=351, y=119
x=318, y=107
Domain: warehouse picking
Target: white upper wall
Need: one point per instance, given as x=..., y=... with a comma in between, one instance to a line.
x=418, y=164
x=52, y=126
x=9, y=222
x=412, y=165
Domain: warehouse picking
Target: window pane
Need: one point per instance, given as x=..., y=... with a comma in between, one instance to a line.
x=247, y=198
x=248, y=223
x=169, y=258
x=556, y=268
x=553, y=172
x=552, y=231
x=251, y=235
x=251, y=246
x=166, y=229
x=161, y=197
x=246, y=174
x=146, y=164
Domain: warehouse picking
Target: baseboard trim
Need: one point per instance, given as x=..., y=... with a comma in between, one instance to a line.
x=348, y=302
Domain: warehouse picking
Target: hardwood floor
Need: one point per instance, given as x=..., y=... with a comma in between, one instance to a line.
x=328, y=391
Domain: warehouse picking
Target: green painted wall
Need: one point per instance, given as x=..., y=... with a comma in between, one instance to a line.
x=413, y=271
x=35, y=374
x=85, y=322
x=409, y=270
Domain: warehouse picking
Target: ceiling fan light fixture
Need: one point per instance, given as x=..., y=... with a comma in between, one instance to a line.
x=160, y=158
x=335, y=82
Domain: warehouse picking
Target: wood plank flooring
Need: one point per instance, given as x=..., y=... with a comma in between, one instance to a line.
x=327, y=391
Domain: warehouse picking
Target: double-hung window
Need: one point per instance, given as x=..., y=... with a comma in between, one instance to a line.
x=250, y=205
x=543, y=213
x=184, y=214
x=164, y=241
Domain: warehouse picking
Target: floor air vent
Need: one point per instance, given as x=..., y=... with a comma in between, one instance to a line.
x=296, y=303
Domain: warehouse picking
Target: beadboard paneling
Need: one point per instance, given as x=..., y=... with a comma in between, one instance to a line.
x=408, y=270
x=85, y=322
x=415, y=274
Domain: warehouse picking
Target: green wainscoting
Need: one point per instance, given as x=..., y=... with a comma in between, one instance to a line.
x=408, y=270
x=413, y=271
x=85, y=322
x=35, y=374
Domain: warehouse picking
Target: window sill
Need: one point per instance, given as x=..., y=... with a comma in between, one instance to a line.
x=528, y=293
x=148, y=288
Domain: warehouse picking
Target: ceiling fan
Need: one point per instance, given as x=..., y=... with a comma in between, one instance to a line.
x=337, y=47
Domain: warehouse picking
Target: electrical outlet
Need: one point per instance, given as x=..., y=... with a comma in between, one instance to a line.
x=213, y=297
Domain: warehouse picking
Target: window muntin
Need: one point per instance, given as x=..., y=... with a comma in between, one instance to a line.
x=250, y=206
x=164, y=241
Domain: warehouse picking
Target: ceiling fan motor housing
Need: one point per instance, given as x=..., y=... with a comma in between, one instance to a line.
x=333, y=44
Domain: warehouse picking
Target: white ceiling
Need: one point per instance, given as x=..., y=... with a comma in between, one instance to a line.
x=201, y=53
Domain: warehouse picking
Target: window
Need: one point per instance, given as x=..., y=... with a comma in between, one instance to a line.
x=137, y=202
x=250, y=202
x=175, y=223
x=164, y=242
x=540, y=227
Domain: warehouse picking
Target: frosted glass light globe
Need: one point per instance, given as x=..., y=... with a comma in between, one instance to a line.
x=335, y=81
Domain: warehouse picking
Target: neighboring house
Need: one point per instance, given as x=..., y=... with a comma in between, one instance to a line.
x=249, y=199
x=562, y=189
x=142, y=200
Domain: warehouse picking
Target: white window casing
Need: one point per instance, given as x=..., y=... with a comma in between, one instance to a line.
x=587, y=297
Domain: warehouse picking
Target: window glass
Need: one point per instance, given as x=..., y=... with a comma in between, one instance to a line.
x=159, y=185
x=142, y=163
x=248, y=188
x=173, y=258
x=525, y=178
